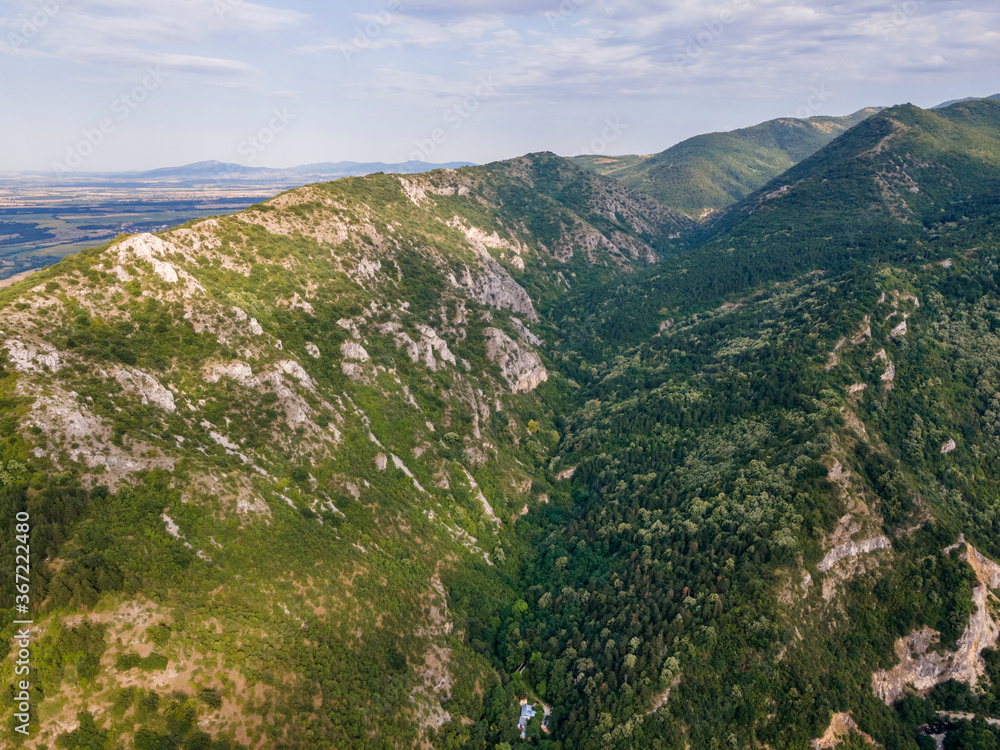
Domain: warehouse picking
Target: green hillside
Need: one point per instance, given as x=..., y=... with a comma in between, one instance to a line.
x=370, y=464
x=708, y=173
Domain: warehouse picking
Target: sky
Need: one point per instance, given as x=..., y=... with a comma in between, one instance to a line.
x=109, y=85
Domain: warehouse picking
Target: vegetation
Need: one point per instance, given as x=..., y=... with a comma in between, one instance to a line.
x=709, y=173
x=311, y=506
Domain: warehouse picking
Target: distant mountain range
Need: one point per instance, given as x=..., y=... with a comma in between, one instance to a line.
x=965, y=99
x=202, y=173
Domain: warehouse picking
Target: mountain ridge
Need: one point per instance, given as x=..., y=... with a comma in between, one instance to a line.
x=373, y=462
x=708, y=173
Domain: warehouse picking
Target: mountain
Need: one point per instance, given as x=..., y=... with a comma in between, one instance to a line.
x=708, y=173
x=882, y=189
x=966, y=99
x=383, y=462
x=258, y=450
x=216, y=173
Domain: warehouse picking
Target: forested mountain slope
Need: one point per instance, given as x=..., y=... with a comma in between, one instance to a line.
x=885, y=189
x=787, y=430
x=253, y=447
x=369, y=464
x=708, y=173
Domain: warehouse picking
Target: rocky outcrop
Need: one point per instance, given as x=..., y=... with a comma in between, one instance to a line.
x=487, y=508
x=241, y=372
x=29, y=357
x=494, y=287
x=842, y=726
x=923, y=670
x=520, y=367
x=852, y=549
x=145, y=386
x=430, y=349
x=353, y=351
x=889, y=376
x=150, y=248
x=566, y=474
x=275, y=379
x=68, y=424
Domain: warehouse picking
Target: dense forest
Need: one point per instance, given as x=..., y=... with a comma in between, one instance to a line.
x=374, y=463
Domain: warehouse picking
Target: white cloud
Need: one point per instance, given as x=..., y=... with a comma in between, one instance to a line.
x=136, y=33
x=653, y=48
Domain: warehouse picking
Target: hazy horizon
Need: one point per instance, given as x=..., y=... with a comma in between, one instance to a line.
x=111, y=86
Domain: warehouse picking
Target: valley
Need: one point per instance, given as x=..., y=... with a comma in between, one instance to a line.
x=377, y=461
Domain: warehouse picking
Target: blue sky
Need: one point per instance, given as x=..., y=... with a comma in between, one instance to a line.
x=139, y=84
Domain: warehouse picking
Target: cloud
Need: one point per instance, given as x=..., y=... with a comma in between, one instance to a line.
x=931, y=64
x=398, y=30
x=136, y=33
x=593, y=49
x=448, y=9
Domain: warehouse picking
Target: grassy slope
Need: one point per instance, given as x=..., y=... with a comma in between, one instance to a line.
x=710, y=172
x=302, y=598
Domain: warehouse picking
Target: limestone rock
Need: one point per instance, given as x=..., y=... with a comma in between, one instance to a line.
x=353, y=351
x=521, y=368
x=852, y=549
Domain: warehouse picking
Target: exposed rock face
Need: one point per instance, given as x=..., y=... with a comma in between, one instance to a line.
x=566, y=474
x=923, y=670
x=350, y=350
x=521, y=368
x=841, y=727
x=852, y=549
x=241, y=372
x=950, y=447
x=298, y=412
x=145, y=386
x=150, y=248
x=839, y=475
x=398, y=463
x=68, y=424
x=487, y=508
x=430, y=348
x=495, y=288
x=33, y=358
x=889, y=376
